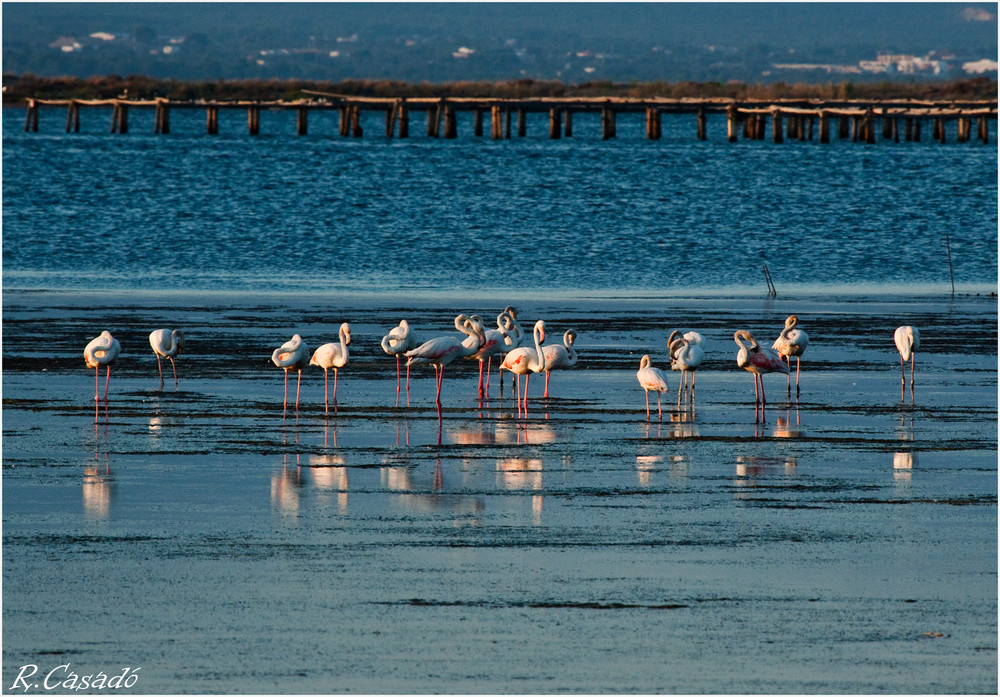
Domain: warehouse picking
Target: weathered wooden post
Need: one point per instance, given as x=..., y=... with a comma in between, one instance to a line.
x=811, y=125
x=607, y=122
x=732, y=123
x=824, y=126
x=984, y=129
x=506, y=122
x=477, y=122
x=432, y=121
x=253, y=119
x=356, y=130
x=555, y=123
x=450, y=122
x=869, y=126
x=212, y=120
x=404, y=118
x=31, y=117
x=843, y=127
x=302, y=121
x=702, y=124
x=916, y=129
x=73, y=117
x=939, y=131
x=344, y=126
x=776, y=126
x=522, y=123
x=390, y=119
x=496, y=121
x=164, y=106
x=569, y=123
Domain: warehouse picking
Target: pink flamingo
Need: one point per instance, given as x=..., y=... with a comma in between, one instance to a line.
x=442, y=350
x=525, y=360
x=495, y=341
x=560, y=356
x=292, y=355
x=397, y=342
x=907, y=342
x=168, y=344
x=758, y=360
x=102, y=350
x=792, y=342
x=332, y=356
x=651, y=378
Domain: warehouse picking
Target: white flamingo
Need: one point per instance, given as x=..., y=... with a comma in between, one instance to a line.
x=397, y=342
x=560, y=356
x=758, y=360
x=494, y=341
x=525, y=360
x=686, y=355
x=167, y=344
x=442, y=350
x=334, y=356
x=654, y=379
x=292, y=355
x=792, y=342
x=102, y=350
x=907, y=342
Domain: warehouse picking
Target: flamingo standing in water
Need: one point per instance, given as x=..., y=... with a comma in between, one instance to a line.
x=292, y=355
x=559, y=356
x=792, y=342
x=167, y=344
x=494, y=341
x=397, y=342
x=907, y=342
x=651, y=378
x=758, y=360
x=102, y=350
x=516, y=335
x=686, y=355
x=442, y=350
x=525, y=360
x=332, y=356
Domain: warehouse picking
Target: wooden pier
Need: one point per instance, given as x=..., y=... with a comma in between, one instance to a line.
x=857, y=120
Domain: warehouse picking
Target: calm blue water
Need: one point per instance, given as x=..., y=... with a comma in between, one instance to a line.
x=320, y=212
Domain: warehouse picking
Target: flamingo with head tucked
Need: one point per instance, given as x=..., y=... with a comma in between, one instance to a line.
x=102, y=350
x=494, y=341
x=654, y=379
x=560, y=356
x=442, y=350
x=525, y=360
x=686, y=355
x=332, y=356
x=167, y=344
x=758, y=360
x=397, y=342
x=292, y=355
x=907, y=342
x=792, y=342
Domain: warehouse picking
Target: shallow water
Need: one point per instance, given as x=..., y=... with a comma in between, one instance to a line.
x=843, y=542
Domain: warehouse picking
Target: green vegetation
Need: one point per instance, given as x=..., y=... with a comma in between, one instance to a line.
x=18, y=88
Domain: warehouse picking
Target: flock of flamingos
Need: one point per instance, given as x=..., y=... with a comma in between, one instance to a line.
x=480, y=344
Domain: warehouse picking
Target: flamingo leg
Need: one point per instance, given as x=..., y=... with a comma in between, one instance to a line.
x=326, y=389
x=647, y=403
x=902, y=370
x=480, y=379
x=489, y=369
x=798, y=366
x=763, y=398
x=788, y=361
x=335, y=389
x=527, y=376
x=407, y=383
x=160, y=368
x=397, y=379
x=298, y=387
x=756, y=390
x=913, y=360
x=547, y=374
x=174, y=366
x=659, y=407
x=97, y=383
x=107, y=379
x=440, y=379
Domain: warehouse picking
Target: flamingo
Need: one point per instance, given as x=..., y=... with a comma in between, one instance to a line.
x=907, y=342
x=398, y=341
x=758, y=360
x=292, y=355
x=516, y=335
x=102, y=350
x=442, y=350
x=686, y=355
x=792, y=342
x=560, y=356
x=167, y=344
x=525, y=360
x=651, y=378
x=332, y=356
x=495, y=341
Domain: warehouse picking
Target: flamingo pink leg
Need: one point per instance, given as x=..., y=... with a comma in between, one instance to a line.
x=160, y=368
x=107, y=379
x=547, y=374
x=285, y=404
x=397, y=380
x=335, y=389
x=326, y=390
x=298, y=387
